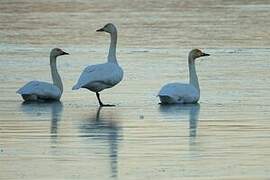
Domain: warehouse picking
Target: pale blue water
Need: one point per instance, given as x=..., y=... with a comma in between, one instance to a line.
x=225, y=136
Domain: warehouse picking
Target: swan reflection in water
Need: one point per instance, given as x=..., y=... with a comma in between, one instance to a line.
x=179, y=112
x=105, y=130
x=51, y=108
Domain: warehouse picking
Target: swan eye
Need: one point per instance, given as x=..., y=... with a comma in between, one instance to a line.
x=199, y=53
x=58, y=50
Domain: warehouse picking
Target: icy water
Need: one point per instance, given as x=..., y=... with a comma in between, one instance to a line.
x=225, y=136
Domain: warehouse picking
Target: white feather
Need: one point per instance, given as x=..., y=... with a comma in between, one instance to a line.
x=178, y=93
x=181, y=93
x=37, y=90
x=42, y=90
x=100, y=76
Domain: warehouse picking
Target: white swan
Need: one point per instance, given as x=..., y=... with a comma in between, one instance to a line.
x=37, y=90
x=179, y=93
x=102, y=76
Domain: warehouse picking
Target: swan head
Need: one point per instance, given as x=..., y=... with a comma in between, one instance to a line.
x=196, y=53
x=58, y=52
x=109, y=28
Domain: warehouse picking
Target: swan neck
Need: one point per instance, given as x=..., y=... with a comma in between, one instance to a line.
x=55, y=75
x=193, y=78
x=112, y=50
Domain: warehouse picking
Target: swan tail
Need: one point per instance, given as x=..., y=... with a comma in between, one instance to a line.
x=19, y=91
x=75, y=87
x=165, y=99
x=29, y=97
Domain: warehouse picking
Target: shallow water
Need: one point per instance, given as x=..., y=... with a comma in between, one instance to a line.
x=225, y=136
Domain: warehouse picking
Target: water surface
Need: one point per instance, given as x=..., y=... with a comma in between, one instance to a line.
x=225, y=136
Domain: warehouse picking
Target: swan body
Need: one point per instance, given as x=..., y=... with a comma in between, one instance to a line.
x=102, y=76
x=38, y=90
x=35, y=90
x=180, y=93
x=99, y=77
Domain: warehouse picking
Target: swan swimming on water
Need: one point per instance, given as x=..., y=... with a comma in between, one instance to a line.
x=38, y=90
x=180, y=93
x=102, y=76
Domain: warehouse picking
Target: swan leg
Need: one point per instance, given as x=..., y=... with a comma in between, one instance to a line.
x=99, y=101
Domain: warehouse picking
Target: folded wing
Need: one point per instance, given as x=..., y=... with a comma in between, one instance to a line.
x=105, y=75
x=179, y=93
x=41, y=89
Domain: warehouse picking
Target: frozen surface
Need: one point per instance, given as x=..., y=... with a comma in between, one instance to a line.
x=225, y=136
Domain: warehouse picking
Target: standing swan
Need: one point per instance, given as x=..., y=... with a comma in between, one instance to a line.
x=179, y=93
x=102, y=76
x=38, y=90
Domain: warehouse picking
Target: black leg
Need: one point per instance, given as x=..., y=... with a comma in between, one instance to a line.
x=99, y=101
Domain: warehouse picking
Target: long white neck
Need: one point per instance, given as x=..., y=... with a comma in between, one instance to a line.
x=55, y=75
x=193, y=78
x=112, y=50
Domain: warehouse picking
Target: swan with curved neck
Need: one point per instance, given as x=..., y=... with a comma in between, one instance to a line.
x=179, y=93
x=102, y=76
x=38, y=90
x=111, y=29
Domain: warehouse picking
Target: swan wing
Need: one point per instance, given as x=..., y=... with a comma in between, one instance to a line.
x=107, y=73
x=42, y=89
x=180, y=93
